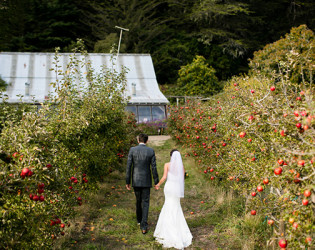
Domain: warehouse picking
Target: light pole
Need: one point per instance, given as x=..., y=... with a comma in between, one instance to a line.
x=121, y=30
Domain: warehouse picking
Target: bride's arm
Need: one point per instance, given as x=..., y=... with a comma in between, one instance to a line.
x=164, y=176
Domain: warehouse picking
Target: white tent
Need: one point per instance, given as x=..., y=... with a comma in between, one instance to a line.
x=29, y=74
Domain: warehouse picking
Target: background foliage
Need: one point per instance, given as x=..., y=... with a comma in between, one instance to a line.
x=226, y=33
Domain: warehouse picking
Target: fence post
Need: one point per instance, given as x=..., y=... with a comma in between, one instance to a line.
x=282, y=228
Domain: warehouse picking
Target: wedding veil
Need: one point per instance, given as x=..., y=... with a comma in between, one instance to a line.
x=175, y=175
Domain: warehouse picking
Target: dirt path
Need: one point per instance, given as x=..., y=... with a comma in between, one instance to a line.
x=108, y=221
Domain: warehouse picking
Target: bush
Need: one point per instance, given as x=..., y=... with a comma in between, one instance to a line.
x=198, y=79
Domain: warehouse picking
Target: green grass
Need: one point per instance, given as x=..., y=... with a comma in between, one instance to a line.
x=108, y=219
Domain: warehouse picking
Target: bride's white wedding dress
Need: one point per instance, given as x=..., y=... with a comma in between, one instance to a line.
x=171, y=229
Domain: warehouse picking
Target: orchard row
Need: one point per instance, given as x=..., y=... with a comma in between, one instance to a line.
x=258, y=137
x=51, y=156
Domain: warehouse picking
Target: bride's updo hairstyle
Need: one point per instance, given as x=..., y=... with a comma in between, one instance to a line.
x=173, y=150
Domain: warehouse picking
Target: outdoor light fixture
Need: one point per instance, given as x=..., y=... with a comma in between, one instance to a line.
x=27, y=89
x=133, y=89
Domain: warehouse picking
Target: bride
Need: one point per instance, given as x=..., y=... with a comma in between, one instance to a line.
x=171, y=229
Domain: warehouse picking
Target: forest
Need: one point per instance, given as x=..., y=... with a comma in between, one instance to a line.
x=224, y=34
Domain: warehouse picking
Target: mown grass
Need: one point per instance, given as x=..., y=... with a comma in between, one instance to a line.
x=215, y=216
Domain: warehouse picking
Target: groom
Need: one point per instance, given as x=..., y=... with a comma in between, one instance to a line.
x=138, y=169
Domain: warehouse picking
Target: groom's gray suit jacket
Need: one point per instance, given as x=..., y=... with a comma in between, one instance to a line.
x=138, y=166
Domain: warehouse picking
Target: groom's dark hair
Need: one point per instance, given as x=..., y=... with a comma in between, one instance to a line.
x=173, y=150
x=143, y=138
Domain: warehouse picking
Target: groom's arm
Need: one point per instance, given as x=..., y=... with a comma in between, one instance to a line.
x=128, y=170
x=154, y=170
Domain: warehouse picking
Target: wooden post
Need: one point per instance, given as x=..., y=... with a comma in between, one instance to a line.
x=282, y=228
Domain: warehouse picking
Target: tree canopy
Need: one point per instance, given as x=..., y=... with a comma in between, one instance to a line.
x=225, y=33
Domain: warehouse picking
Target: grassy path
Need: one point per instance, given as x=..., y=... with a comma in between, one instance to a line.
x=108, y=220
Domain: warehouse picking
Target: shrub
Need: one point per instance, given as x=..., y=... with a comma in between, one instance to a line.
x=198, y=78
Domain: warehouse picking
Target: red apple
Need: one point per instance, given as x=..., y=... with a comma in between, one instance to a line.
x=62, y=225
x=242, y=134
x=41, y=185
x=252, y=91
x=253, y=212
x=30, y=173
x=35, y=198
x=211, y=170
x=301, y=162
x=298, y=125
x=266, y=181
x=272, y=88
x=283, y=243
x=260, y=188
x=280, y=162
x=25, y=172
x=253, y=194
x=271, y=222
x=307, y=193
x=249, y=140
x=308, y=240
x=79, y=198
x=205, y=171
x=41, y=198
x=278, y=171
x=305, y=202
x=48, y=165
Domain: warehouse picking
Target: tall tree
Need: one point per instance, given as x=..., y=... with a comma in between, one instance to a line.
x=139, y=16
x=41, y=25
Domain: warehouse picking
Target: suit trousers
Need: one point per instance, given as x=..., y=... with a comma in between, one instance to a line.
x=142, y=205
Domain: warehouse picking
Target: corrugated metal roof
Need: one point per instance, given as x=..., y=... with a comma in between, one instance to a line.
x=29, y=74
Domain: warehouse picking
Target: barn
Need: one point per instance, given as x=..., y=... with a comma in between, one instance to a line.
x=29, y=75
